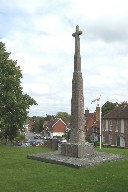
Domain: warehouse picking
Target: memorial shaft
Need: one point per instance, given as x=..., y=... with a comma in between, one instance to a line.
x=77, y=134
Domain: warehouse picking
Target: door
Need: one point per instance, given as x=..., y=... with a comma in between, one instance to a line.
x=118, y=141
x=122, y=141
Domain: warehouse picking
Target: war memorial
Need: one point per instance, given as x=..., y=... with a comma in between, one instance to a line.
x=77, y=153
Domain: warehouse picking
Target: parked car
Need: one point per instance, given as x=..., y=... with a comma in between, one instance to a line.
x=62, y=141
x=36, y=137
x=41, y=137
x=18, y=144
x=47, y=137
x=33, y=143
x=39, y=143
x=26, y=144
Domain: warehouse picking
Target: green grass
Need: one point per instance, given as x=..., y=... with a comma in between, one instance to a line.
x=19, y=174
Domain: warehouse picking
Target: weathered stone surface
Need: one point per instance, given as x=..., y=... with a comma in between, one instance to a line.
x=57, y=158
x=77, y=134
x=77, y=146
x=77, y=150
x=52, y=143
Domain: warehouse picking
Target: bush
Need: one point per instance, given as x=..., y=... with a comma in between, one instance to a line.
x=19, y=137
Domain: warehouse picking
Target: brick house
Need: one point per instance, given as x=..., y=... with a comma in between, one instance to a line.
x=92, y=124
x=56, y=127
x=115, y=126
x=28, y=124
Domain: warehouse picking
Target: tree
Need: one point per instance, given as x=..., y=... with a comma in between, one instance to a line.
x=64, y=116
x=48, y=117
x=13, y=102
x=38, y=124
x=108, y=106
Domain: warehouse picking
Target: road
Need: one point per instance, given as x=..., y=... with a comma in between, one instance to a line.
x=29, y=135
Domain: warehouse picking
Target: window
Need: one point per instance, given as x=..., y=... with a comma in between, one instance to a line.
x=103, y=137
x=122, y=126
x=106, y=125
x=110, y=139
x=110, y=125
x=103, y=125
x=117, y=125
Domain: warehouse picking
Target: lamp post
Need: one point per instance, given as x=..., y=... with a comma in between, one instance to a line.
x=100, y=129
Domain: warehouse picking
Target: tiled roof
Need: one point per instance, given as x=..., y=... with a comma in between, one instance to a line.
x=53, y=121
x=91, y=120
x=88, y=115
x=120, y=112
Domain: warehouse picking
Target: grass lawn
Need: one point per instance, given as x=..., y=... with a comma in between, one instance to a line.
x=19, y=174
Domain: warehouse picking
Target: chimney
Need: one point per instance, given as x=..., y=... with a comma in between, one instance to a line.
x=86, y=111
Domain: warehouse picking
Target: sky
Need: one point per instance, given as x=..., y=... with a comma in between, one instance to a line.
x=39, y=36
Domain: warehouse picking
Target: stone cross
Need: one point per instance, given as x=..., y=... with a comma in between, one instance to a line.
x=77, y=102
x=77, y=146
x=77, y=58
x=77, y=39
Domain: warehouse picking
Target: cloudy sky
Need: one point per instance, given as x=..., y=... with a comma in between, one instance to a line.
x=39, y=36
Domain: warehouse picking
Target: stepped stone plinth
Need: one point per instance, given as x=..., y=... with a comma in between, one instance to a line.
x=77, y=150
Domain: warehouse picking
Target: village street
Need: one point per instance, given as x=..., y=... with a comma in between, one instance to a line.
x=29, y=135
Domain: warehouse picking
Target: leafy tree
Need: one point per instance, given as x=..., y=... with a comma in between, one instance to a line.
x=108, y=106
x=64, y=116
x=38, y=124
x=19, y=138
x=48, y=117
x=13, y=102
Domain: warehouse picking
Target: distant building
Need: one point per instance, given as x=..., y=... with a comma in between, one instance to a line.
x=28, y=124
x=115, y=126
x=92, y=124
x=56, y=127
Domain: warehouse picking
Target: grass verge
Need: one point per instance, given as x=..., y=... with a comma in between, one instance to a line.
x=19, y=174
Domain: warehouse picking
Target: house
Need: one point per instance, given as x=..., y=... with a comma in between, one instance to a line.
x=56, y=127
x=115, y=126
x=28, y=124
x=92, y=124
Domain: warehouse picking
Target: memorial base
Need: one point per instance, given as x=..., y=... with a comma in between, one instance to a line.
x=77, y=150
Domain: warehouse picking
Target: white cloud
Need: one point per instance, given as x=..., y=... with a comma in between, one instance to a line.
x=36, y=88
x=39, y=36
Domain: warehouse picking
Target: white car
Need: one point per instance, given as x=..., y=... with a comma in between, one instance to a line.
x=62, y=141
